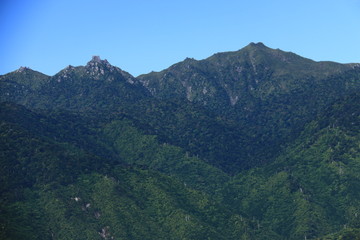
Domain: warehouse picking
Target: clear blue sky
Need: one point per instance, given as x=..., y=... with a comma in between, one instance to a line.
x=140, y=36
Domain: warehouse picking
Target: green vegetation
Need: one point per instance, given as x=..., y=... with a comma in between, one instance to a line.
x=268, y=93
x=253, y=144
x=312, y=188
x=54, y=186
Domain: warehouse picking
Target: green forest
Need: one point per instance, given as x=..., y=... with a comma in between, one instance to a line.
x=253, y=144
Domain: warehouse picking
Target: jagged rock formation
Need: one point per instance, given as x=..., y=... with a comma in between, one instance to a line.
x=253, y=144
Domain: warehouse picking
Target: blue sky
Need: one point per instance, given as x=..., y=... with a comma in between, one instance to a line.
x=140, y=36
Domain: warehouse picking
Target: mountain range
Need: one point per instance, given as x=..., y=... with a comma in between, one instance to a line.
x=252, y=144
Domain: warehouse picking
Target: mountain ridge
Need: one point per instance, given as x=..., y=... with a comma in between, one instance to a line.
x=258, y=87
x=255, y=87
x=256, y=55
x=252, y=144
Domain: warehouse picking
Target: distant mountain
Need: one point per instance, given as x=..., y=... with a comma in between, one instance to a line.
x=267, y=94
x=233, y=78
x=270, y=93
x=253, y=144
x=96, y=86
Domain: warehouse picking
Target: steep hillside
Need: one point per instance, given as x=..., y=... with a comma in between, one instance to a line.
x=235, y=110
x=63, y=184
x=270, y=93
x=19, y=86
x=98, y=86
x=313, y=186
x=231, y=78
x=253, y=144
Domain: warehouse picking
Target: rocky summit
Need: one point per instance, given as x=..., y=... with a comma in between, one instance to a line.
x=257, y=143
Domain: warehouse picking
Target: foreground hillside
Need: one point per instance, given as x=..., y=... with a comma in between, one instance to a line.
x=253, y=144
x=312, y=188
x=103, y=180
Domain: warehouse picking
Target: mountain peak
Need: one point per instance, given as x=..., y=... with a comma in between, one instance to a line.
x=97, y=67
x=96, y=60
x=23, y=69
x=254, y=46
x=258, y=44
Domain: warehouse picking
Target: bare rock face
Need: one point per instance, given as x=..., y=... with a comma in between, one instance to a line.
x=97, y=67
x=96, y=59
x=100, y=69
x=22, y=69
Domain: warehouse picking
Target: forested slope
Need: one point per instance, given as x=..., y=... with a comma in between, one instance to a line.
x=253, y=144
